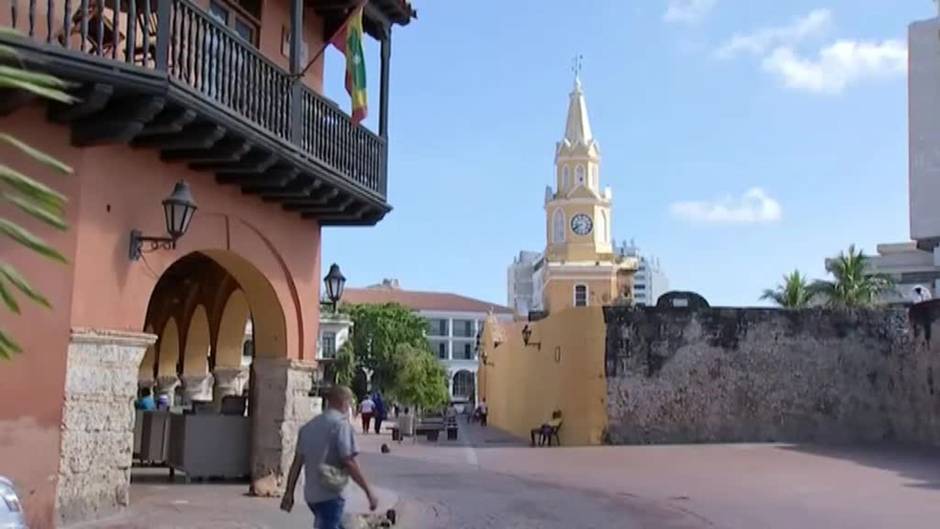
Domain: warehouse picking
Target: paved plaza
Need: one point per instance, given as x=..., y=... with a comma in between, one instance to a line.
x=489, y=480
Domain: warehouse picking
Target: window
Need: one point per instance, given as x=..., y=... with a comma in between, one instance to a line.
x=580, y=296
x=579, y=175
x=565, y=178
x=328, y=345
x=639, y=287
x=463, y=328
x=237, y=16
x=442, y=350
x=463, y=350
x=558, y=226
x=438, y=327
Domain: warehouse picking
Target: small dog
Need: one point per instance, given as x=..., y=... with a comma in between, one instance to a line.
x=385, y=449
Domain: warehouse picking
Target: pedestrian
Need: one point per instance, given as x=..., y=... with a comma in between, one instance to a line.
x=326, y=452
x=145, y=401
x=484, y=411
x=380, y=411
x=366, y=410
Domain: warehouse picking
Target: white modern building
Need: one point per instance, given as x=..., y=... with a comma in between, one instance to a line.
x=915, y=265
x=453, y=324
x=522, y=286
x=649, y=281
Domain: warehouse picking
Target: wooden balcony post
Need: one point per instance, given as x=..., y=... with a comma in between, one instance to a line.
x=383, y=94
x=296, y=67
x=162, y=58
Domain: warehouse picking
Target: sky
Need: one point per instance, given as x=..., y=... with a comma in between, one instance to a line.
x=742, y=139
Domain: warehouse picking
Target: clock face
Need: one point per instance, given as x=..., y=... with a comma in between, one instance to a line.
x=581, y=224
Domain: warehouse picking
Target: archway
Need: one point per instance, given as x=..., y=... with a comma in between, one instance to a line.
x=197, y=383
x=207, y=298
x=464, y=385
x=168, y=357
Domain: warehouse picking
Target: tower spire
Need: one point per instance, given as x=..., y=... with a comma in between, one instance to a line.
x=578, y=126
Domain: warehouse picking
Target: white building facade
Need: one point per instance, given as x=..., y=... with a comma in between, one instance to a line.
x=649, y=281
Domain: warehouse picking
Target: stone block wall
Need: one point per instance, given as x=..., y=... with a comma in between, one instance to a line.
x=283, y=404
x=98, y=422
x=742, y=375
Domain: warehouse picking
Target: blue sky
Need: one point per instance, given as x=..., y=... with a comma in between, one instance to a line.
x=741, y=139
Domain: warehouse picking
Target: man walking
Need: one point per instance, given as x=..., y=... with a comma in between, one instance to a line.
x=326, y=451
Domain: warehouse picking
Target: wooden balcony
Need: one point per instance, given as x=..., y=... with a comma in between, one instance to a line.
x=163, y=74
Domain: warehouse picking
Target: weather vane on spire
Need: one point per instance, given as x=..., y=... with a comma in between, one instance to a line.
x=577, y=62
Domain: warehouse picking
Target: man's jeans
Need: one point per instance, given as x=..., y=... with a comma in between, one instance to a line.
x=328, y=514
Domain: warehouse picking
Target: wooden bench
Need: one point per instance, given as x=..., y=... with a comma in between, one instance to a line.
x=430, y=430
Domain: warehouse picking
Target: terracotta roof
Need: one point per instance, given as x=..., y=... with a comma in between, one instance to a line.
x=416, y=300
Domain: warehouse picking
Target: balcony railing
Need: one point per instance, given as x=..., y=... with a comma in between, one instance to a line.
x=205, y=57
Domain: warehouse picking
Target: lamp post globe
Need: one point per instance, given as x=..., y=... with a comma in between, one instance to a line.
x=179, y=208
x=334, y=282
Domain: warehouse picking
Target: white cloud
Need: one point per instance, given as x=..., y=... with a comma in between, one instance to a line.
x=838, y=65
x=753, y=207
x=688, y=11
x=758, y=42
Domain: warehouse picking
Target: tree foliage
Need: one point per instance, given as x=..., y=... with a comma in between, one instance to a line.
x=24, y=193
x=377, y=333
x=853, y=284
x=794, y=293
x=422, y=381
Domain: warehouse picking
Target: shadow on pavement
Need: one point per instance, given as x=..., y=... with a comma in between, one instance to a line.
x=919, y=464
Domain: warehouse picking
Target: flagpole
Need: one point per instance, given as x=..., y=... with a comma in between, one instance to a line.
x=328, y=41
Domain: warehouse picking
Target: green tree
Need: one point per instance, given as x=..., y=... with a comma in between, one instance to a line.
x=853, y=284
x=377, y=333
x=422, y=381
x=794, y=293
x=24, y=193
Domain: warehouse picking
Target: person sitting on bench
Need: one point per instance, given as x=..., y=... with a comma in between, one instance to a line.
x=546, y=430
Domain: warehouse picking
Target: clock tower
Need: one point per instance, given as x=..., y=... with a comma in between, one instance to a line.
x=581, y=267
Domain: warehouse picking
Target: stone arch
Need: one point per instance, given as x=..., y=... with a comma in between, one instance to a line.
x=168, y=349
x=269, y=324
x=231, y=334
x=196, y=349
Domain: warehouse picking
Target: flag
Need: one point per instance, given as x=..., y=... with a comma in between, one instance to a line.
x=349, y=41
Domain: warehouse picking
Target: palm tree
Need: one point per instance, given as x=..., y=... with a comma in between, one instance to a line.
x=853, y=285
x=26, y=194
x=794, y=293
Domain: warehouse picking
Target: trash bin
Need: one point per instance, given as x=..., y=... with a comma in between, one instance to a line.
x=396, y=434
x=452, y=434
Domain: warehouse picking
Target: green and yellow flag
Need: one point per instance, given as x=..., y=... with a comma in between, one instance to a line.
x=349, y=41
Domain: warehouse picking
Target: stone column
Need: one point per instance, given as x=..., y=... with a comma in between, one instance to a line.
x=166, y=385
x=228, y=381
x=281, y=405
x=98, y=422
x=197, y=388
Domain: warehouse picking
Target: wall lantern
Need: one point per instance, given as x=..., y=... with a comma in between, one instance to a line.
x=335, y=282
x=527, y=335
x=178, y=210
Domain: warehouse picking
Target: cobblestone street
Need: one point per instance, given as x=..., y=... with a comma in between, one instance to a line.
x=488, y=480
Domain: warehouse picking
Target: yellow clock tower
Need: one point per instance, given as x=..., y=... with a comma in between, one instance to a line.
x=581, y=267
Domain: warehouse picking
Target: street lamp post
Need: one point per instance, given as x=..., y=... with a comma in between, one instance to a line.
x=334, y=282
